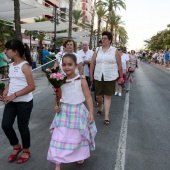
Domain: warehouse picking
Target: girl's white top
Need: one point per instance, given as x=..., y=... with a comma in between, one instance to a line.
x=72, y=92
x=59, y=57
x=18, y=82
x=106, y=64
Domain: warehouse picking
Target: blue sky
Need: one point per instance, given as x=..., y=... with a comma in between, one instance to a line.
x=143, y=19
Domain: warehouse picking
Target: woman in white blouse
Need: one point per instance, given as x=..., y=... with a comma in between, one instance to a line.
x=104, y=67
x=69, y=47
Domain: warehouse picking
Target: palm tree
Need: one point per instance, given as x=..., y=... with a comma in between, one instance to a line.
x=114, y=21
x=101, y=12
x=92, y=25
x=123, y=37
x=41, y=34
x=77, y=15
x=112, y=6
x=70, y=18
x=6, y=31
x=17, y=19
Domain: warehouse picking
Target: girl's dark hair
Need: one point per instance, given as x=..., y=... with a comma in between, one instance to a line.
x=22, y=48
x=72, y=56
x=109, y=35
x=74, y=43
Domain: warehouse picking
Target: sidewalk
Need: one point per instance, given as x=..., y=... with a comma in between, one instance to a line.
x=36, y=73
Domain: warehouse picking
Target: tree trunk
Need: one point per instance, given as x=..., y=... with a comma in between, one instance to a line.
x=98, y=31
x=17, y=19
x=70, y=19
x=115, y=36
x=92, y=25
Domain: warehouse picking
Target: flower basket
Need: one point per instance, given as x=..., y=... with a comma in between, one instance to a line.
x=57, y=80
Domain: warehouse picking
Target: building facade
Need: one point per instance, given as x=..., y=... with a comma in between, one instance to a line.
x=87, y=9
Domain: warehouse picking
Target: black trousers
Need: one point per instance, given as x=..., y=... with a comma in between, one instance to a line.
x=21, y=110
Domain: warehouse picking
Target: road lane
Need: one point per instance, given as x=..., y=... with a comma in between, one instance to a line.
x=148, y=136
x=104, y=157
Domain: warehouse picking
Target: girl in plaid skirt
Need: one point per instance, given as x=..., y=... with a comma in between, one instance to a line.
x=73, y=128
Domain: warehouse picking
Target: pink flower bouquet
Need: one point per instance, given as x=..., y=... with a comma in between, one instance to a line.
x=57, y=80
x=131, y=70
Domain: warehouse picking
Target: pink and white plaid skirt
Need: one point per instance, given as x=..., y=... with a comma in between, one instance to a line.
x=72, y=136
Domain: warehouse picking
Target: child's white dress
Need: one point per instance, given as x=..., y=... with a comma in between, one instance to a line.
x=72, y=136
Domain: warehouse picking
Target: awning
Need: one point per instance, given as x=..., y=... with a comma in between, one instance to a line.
x=46, y=26
x=81, y=39
x=77, y=34
x=28, y=8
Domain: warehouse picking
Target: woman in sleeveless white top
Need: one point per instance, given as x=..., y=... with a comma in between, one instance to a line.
x=133, y=64
x=18, y=98
x=69, y=48
x=107, y=61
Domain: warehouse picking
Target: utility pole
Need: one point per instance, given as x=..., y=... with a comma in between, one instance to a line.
x=56, y=22
x=92, y=25
x=55, y=13
x=70, y=19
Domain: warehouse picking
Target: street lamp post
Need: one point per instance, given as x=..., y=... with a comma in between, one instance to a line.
x=55, y=20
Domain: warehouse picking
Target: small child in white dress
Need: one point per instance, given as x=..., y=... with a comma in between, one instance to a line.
x=73, y=127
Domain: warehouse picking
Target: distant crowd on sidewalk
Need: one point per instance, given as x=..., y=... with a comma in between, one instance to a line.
x=161, y=57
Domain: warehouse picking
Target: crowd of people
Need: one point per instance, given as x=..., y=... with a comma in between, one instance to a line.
x=161, y=57
x=106, y=70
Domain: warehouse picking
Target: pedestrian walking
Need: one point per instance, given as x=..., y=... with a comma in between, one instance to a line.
x=73, y=127
x=18, y=99
x=107, y=62
x=34, y=56
x=133, y=60
x=44, y=53
x=69, y=47
x=125, y=66
x=86, y=55
x=166, y=57
x=3, y=64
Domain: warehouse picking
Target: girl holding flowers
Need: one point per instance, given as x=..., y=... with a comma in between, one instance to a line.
x=73, y=128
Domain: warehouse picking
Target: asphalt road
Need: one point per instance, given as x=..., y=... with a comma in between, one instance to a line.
x=148, y=136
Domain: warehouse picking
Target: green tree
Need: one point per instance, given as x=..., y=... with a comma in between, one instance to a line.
x=77, y=15
x=122, y=36
x=112, y=6
x=101, y=12
x=6, y=31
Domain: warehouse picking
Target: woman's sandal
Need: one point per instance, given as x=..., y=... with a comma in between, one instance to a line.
x=99, y=113
x=13, y=157
x=107, y=122
x=22, y=159
x=80, y=162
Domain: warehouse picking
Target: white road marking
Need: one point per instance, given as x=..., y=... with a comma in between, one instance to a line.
x=121, y=152
x=1, y=107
